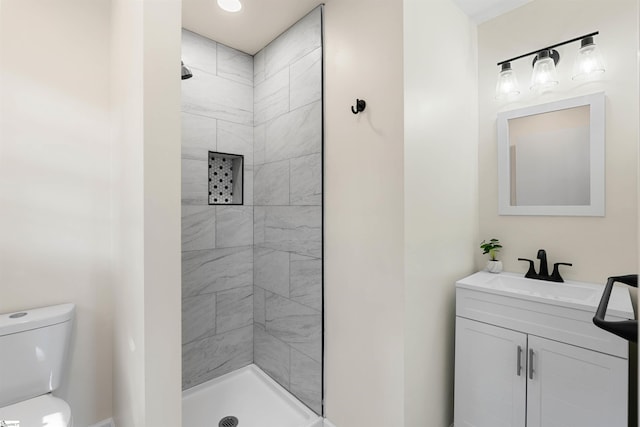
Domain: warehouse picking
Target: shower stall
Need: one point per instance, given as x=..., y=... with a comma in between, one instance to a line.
x=252, y=219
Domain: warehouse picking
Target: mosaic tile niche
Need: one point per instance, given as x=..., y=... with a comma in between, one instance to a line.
x=225, y=178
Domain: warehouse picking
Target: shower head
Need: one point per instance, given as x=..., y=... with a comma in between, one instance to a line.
x=186, y=73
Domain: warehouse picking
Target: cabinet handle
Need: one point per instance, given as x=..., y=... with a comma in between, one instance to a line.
x=530, y=363
x=519, y=368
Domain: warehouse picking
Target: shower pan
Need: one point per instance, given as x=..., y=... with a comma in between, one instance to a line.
x=263, y=402
x=252, y=238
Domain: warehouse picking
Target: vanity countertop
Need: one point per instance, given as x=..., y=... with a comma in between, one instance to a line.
x=577, y=295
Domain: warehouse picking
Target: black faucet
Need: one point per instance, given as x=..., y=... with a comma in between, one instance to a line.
x=543, y=272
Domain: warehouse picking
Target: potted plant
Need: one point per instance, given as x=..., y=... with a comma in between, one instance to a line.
x=492, y=247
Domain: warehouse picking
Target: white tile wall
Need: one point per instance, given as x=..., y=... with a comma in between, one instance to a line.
x=258, y=68
x=272, y=97
x=271, y=270
x=199, y=52
x=199, y=135
x=215, y=270
x=198, y=227
x=294, y=134
x=195, y=182
x=271, y=183
x=288, y=211
x=306, y=180
x=306, y=79
x=219, y=98
x=235, y=65
x=259, y=139
x=217, y=267
x=198, y=317
x=252, y=274
x=296, y=42
x=234, y=138
x=234, y=226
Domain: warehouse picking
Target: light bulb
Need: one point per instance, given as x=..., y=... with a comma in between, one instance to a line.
x=544, y=74
x=230, y=5
x=507, y=85
x=588, y=63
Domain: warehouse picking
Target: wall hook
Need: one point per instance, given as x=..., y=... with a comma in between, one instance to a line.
x=360, y=106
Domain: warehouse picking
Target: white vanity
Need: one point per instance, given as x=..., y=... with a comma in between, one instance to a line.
x=528, y=354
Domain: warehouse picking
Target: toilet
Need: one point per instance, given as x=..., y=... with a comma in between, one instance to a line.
x=34, y=347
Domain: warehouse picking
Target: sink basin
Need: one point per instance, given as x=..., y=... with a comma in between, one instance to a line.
x=579, y=295
x=549, y=290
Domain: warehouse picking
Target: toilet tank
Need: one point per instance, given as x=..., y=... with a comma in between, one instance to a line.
x=33, y=351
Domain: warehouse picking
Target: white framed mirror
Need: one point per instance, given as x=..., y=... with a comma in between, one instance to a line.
x=551, y=158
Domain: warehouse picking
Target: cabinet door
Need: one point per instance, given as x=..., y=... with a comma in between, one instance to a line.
x=490, y=376
x=574, y=387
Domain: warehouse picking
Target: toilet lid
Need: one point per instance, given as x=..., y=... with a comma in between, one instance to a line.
x=41, y=411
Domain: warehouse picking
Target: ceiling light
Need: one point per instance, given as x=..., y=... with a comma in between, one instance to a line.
x=589, y=61
x=230, y=5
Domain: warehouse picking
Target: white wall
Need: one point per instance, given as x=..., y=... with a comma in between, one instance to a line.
x=440, y=187
x=54, y=180
x=162, y=258
x=127, y=163
x=145, y=96
x=364, y=293
x=597, y=247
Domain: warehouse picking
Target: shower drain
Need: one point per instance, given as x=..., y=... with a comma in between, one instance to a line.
x=228, y=422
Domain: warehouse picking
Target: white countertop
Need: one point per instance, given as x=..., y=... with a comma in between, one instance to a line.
x=577, y=295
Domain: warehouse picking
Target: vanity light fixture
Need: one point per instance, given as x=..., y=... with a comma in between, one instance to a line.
x=230, y=5
x=507, y=85
x=544, y=76
x=588, y=64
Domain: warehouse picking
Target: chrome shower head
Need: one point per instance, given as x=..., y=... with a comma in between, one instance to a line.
x=186, y=73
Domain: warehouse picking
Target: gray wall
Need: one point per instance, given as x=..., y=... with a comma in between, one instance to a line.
x=217, y=241
x=252, y=275
x=288, y=210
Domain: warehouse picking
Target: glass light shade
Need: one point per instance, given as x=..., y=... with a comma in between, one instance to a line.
x=230, y=5
x=544, y=74
x=589, y=62
x=507, y=85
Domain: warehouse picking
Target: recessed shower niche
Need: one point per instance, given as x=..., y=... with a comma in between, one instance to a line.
x=226, y=172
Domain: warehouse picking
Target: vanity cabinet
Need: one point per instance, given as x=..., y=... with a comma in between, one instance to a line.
x=524, y=361
x=490, y=386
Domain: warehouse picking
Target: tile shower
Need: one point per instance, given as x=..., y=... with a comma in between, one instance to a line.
x=252, y=272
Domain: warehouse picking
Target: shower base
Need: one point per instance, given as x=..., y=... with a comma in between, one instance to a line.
x=251, y=396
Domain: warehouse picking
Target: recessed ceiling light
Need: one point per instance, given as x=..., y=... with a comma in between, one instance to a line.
x=230, y=5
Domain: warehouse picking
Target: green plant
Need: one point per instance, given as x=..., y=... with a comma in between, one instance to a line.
x=492, y=247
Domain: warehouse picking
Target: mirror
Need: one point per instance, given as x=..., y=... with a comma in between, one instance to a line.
x=551, y=158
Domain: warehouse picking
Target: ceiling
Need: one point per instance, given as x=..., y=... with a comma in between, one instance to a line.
x=483, y=10
x=261, y=21
x=251, y=29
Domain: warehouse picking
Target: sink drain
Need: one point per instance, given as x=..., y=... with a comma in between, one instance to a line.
x=228, y=422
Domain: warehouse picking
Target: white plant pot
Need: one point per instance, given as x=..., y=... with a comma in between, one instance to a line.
x=494, y=266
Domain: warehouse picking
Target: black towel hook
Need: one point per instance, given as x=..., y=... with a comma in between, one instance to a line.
x=360, y=106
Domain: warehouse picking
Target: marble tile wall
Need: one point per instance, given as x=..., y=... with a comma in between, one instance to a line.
x=287, y=228
x=252, y=274
x=217, y=241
